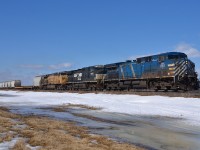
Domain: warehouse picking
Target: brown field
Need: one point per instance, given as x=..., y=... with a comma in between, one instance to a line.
x=51, y=134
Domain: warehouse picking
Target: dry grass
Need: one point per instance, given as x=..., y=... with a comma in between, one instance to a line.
x=6, y=124
x=65, y=107
x=83, y=106
x=7, y=137
x=4, y=109
x=20, y=145
x=52, y=134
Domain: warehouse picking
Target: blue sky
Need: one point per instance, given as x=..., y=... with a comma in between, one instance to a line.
x=44, y=36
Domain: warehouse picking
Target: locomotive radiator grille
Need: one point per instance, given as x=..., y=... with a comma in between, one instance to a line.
x=180, y=68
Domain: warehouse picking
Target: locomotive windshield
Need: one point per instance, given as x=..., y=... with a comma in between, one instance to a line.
x=180, y=56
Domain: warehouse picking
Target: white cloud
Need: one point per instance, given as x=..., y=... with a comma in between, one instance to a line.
x=187, y=49
x=60, y=66
x=46, y=67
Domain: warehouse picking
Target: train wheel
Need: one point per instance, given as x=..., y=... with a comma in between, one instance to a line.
x=167, y=88
x=157, y=88
x=176, y=90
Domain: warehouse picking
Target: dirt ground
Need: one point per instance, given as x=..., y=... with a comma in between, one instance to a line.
x=49, y=134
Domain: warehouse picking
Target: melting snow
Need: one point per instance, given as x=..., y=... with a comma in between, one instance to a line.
x=186, y=108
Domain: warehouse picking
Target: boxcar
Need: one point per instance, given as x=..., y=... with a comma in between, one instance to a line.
x=10, y=84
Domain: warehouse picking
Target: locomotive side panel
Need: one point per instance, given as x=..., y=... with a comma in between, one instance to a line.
x=57, y=79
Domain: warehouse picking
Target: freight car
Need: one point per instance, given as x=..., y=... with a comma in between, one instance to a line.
x=166, y=71
x=10, y=84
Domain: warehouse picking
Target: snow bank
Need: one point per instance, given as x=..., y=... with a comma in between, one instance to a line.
x=187, y=108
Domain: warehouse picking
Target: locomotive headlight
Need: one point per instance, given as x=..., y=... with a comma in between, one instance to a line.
x=172, y=68
x=171, y=65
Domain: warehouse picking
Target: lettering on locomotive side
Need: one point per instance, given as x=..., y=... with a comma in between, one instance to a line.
x=162, y=65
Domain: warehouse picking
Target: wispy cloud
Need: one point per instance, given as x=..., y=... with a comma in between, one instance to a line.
x=60, y=66
x=46, y=67
x=187, y=49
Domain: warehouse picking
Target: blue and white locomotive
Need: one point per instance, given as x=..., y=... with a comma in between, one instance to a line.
x=172, y=70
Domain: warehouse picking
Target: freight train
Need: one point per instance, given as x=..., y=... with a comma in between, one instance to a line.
x=166, y=71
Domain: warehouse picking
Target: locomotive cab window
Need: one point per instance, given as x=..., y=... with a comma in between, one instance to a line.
x=148, y=59
x=183, y=56
x=173, y=57
x=161, y=58
x=139, y=60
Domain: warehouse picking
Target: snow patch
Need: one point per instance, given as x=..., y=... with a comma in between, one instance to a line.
x=186, y=108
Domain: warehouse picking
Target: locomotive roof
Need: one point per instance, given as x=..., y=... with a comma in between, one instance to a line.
x=164, y=54
x=114, y=64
